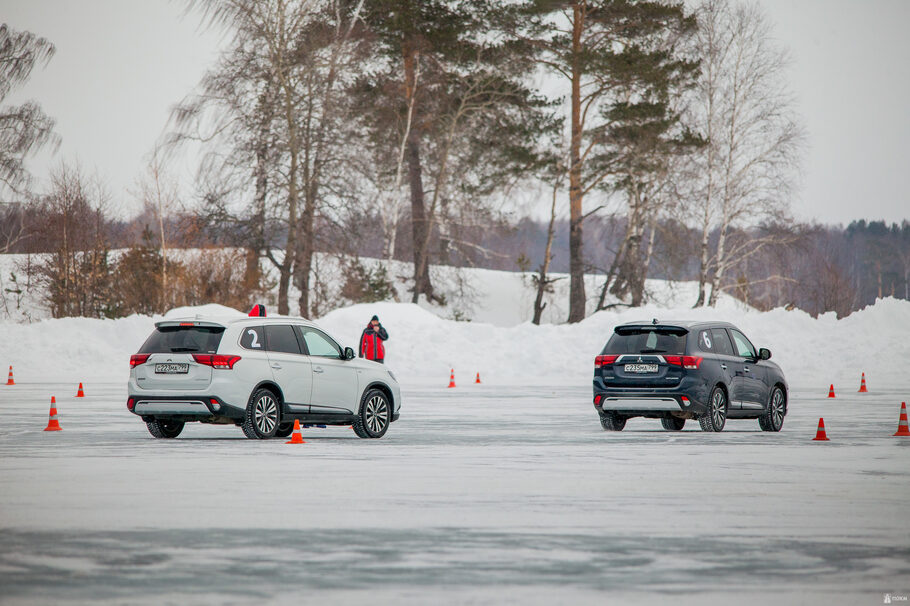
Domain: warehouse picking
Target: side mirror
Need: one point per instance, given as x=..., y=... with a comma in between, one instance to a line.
x=349, y=353
x=764, y=354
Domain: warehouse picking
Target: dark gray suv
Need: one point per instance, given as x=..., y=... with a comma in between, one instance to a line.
x=675, y=371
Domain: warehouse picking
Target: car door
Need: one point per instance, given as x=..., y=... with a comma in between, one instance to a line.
x=731, y=365
x=335, y=387
x=291, y=369
x=753, y=375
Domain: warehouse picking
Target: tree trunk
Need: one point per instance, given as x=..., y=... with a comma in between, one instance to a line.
x=703, y=265
x=419, y=227
x=542, y=280
x=720, y=267
x=577, y=297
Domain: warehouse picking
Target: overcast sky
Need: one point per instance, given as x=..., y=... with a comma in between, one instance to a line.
x=121, y=64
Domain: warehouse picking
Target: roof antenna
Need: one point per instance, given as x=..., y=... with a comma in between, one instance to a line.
x=654, y=321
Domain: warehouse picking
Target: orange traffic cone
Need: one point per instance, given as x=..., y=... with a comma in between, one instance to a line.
x=452, y=378
x=296, y=437
x=902, y=428
x=53, y=424
x=831, y=391
x=10, y=380
x=862, y=385
x=477, y=380
x=820, y=434
x=80, y=393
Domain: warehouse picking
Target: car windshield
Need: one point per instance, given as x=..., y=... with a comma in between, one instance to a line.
x=646, y=341
x=183, y=339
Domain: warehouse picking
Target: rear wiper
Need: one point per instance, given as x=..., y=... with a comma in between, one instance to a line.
x=182, y=349
x=647, y=351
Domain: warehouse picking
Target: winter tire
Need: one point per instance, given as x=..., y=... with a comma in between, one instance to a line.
x=262, y=416
x=673, y=423
x=773, y=418
x=375, y=415
x=284, y=430
x=716, y=416
x=163, y=429
x=611, y=421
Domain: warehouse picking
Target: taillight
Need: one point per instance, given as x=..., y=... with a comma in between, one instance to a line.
x=137, y=359
x=604, y=361
x=216, y=360
x=690, y=362
x=131, y=403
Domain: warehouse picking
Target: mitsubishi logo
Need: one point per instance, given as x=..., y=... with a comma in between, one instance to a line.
x=639, y=358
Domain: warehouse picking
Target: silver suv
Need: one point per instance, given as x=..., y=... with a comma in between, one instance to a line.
x=259, y=374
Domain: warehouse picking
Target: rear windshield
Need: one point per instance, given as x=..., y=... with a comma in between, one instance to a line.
x=183, y=339
x=646, y=342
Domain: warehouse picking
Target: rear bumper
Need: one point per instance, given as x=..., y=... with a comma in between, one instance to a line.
x=656, y=402
x=183, y=407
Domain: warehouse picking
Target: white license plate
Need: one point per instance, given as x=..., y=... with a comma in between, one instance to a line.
x=172, y=369
x=640, y=368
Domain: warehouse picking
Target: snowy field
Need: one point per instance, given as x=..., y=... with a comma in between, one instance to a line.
x=478, y=495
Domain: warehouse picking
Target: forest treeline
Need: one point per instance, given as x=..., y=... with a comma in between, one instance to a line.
x=657, y=139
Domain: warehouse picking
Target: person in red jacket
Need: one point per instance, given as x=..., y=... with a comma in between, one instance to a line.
x=371, y=346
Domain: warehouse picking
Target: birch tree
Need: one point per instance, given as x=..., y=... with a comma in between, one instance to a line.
x=745, y=112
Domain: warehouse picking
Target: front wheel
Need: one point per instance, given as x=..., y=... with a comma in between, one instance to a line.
x=163, y=429
x=773, y=418
x=673, y=423
x=715, y=417
x=374, y=417
x=611, y=421
x=261, y=419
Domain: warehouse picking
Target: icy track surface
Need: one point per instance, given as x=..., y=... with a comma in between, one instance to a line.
x=478, y=495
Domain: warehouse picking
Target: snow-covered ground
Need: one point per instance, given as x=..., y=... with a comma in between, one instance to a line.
x=482, y=494
x=504, y=492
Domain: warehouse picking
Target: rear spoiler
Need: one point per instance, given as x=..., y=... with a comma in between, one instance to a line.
x=177, y=323
x=628, y=329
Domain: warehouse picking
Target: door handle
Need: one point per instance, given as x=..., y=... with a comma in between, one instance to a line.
x=723, y=366
x=276, y=365
x=746, y=369
x=318, y=369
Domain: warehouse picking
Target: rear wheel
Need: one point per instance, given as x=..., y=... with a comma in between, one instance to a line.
x=261, y=419
x=163, y=429
x=612, y=421
x=773, y=418
x=716, y=416
x=673, y=423
x=375, y=415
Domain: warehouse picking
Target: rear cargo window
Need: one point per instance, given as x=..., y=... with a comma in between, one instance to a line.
x=183, y=339
x=646, y=341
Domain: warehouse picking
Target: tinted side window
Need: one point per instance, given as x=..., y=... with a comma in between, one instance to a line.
x=281, y=338
x=722, y=343
x=705, y=341
x=253, y=337
x=186, y=339
x=319, y=343
x=743, y=346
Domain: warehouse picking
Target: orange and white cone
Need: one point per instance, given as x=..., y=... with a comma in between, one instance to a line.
x=831, y=391
x=477, y=380
x=452, y=378
x=821, y=435
x=296, y=437
x=52, y=423
x=80, y=393
x=902, y=428
x=10, y=381
x=862, y=385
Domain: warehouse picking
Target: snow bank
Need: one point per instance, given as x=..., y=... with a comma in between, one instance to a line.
x=423, y=347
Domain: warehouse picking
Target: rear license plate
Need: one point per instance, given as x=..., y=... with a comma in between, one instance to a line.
x=172, y=369
x=640, y=368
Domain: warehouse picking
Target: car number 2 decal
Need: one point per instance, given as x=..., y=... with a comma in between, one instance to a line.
x=255, y=341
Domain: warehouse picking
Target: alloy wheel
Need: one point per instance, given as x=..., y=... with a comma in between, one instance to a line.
x=265, y=414
x=376, y=414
